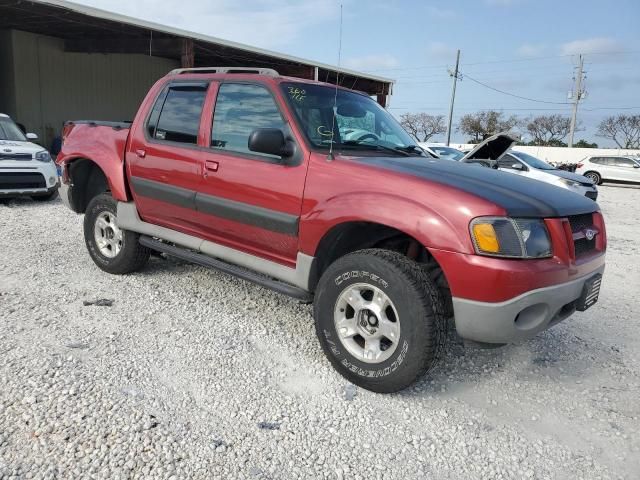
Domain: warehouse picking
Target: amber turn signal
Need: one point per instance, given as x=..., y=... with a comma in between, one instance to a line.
x=486, y=238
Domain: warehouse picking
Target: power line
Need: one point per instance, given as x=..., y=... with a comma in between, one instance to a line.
x=513, y=94
x=509, y=60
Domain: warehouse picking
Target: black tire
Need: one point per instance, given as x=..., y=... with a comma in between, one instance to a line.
x=420, y=312
x=131, y=257
x=595, y=177
x=46, y=197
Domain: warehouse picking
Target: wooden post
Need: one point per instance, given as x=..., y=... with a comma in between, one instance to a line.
x=187, y=59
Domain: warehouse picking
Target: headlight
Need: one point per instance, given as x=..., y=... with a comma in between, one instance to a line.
x=43, y=156
x=570, y=183
x=510, y=237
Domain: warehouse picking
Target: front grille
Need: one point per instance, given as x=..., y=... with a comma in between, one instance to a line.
x=16, y=156
x=21, y=181
x=578, y=224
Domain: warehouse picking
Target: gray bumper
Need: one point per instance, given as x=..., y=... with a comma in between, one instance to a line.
x=521, y=317
x=64, y=191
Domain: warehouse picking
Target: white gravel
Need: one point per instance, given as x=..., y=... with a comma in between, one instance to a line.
x=194, y=374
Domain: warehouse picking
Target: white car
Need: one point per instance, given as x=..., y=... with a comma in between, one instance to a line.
x=614, y=168
x=26, y=169
x=442, y=151
x=529, y=166
x=495, y=152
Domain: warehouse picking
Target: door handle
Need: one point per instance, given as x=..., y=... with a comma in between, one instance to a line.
x=141, y=153
x=212, y=166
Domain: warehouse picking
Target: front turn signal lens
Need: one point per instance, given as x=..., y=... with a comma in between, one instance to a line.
x=486, y=238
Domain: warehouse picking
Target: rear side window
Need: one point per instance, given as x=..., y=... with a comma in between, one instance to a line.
x=176, y=115
x=241, y=109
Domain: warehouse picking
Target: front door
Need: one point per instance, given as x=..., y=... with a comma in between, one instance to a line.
x=624, y=169
x=249, y=201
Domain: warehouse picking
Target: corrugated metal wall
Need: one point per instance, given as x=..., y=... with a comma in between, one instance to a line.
x=7, y=80
x=52, y=85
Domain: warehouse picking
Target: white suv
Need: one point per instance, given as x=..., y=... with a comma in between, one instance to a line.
x=26, y=169
x=614, y=168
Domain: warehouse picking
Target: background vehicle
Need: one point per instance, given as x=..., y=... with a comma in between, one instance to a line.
x=615, y=169
x=442, y=151
x=252, y=174
x=486, y=153
x=527, y=165
x=26, y=169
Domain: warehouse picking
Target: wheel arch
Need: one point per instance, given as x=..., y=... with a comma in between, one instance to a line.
x=88, y=179
x=350, y=236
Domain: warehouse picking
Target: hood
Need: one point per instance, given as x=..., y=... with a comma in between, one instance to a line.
x=517, y=195
x=12, y=146
x=569, y=176
x=492, y=148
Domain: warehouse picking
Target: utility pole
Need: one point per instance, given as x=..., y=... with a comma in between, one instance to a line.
x=578, y=93
x=454, y=74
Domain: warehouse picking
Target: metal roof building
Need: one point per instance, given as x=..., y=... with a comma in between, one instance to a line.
x=60, y=60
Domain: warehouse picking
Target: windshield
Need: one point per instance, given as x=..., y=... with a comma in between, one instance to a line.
x=532, y=161
x=10, y=131
x=448, y=153
x=359, y=124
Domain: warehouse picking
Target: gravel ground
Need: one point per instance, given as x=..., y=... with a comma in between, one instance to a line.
x=194, y=374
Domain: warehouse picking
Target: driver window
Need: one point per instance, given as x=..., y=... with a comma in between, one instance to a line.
x=241, y=109
x=624, y=162
x=508, y=162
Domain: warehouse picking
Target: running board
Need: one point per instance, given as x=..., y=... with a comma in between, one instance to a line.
x=210, y=262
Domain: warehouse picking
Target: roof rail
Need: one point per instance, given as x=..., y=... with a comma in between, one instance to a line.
x=259, y=71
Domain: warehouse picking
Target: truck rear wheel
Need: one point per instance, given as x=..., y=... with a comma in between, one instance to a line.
x=112, y=249
x=380, y=319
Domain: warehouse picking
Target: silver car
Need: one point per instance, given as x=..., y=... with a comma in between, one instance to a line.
x=614, y=168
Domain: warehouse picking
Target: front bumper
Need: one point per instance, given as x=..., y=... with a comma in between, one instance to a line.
x=519, y=318
x=590, y=191
x=32, y=179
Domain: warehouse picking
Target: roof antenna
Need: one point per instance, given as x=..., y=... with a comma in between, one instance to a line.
x=330, y=157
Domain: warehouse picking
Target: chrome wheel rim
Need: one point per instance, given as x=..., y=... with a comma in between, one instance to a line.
x=107, y=235
x=592, y=177
x=367, y=323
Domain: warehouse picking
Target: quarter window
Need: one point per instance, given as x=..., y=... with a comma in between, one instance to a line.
x=177, y=118
x=241, y=109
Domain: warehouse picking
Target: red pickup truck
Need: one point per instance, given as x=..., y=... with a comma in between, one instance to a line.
x=317, y=192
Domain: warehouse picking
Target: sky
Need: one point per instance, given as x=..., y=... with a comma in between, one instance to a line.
x=527, y=48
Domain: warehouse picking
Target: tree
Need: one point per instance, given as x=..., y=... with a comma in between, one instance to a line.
x=548, y=130
x=585, y=144
x=483, y=124
x=423, y=126
x=624, y=130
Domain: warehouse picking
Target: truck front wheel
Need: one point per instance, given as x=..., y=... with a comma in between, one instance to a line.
x=112, y=249
x=380, y=319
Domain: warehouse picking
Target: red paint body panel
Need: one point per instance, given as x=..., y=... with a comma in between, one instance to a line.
x=324, y=194
x=105, y=147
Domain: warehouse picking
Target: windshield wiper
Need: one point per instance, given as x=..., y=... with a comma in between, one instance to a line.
x=376, y=146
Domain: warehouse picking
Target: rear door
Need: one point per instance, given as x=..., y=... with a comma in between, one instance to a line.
x=165, y=160
x=247, y=200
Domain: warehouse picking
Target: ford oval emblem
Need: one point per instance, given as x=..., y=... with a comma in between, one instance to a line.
x=589, y=233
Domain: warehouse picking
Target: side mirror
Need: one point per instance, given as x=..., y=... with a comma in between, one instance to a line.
x=270, y=141
x=31, y=136
x=517, y=166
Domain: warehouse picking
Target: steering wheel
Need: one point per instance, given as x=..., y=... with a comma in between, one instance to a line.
x=367, y=136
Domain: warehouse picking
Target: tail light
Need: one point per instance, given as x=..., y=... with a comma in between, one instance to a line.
x=579, y=165
x=66, y=130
